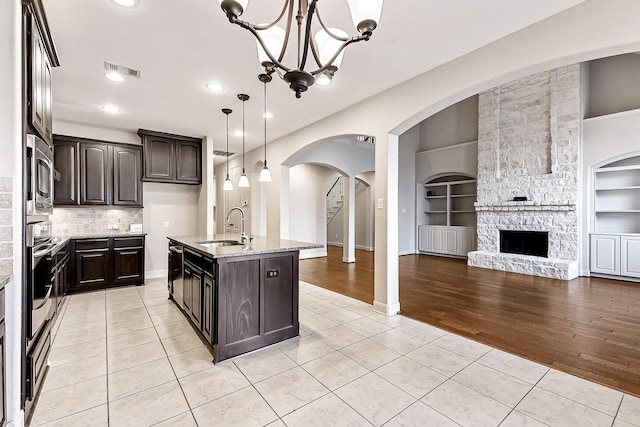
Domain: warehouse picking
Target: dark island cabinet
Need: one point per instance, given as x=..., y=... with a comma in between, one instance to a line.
x=169, y=158
x=209, y=307
x=93, y=172
x=99, y=263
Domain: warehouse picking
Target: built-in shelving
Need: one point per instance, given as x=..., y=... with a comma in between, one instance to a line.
x=616, y=199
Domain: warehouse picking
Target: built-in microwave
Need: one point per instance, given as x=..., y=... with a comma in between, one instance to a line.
x=40, y=176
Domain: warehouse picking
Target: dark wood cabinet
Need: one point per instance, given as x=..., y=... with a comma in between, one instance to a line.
x=3, y=352
x=97, y=172
x=128, y=260
x=127, y=186
x=92, y=262
x=94, y=174
x=66, y=162
x=208, y=307
x=40, y=84
x=107, y=262
x=170, y=158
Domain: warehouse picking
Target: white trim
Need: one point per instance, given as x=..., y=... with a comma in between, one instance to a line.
x=313, y=253
x=338, y=244
x=348, y=259
x=365, y=248
x=154, y=274
x=387, y=310
x=449, y=147
x=612, y=115
x=585, y=273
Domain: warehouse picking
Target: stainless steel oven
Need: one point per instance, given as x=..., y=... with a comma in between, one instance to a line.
x=40, y=176
x=39, y=284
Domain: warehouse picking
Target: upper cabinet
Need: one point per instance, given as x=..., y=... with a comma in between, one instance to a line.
x=41, y=58
x=97, y=172
x=171, y=158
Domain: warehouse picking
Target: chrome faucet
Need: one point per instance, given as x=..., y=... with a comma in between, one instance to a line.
x=243, y=234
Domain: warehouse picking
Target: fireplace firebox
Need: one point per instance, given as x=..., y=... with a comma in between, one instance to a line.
x=534, y=243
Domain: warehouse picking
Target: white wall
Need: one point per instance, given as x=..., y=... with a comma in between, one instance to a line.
x=308, y=189
x=11, y=144
x=178, y=204
x=613, y=85
x=409, y=144
x=364, y=220
x=453, y=125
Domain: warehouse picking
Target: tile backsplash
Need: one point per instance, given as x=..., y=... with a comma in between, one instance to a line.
x=6, y=225
x=78, y=221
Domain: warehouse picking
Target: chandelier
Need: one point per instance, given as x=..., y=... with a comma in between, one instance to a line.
x=325, y=49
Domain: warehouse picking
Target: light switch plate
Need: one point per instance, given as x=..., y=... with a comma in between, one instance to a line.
x=380, y=203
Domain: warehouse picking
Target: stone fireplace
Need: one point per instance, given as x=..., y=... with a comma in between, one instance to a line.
x=528, y=147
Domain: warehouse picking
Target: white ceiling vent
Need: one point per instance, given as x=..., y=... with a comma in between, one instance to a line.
x=125, y=71
x=222, y=153
x=367, y=139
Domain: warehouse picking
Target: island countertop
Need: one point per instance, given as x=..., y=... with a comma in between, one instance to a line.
x=259, y=245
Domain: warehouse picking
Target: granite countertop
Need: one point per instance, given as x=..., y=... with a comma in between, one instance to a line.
x=4, y=279
x=259, y=245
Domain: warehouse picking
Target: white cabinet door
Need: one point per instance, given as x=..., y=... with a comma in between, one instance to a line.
x=466, y=240
x=605, y=254
x=451, y=241
x=436, y=239
x=423, y=238
x=630, y=256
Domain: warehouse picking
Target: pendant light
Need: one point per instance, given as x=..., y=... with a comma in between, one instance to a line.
x=228, y=185
x=243, y=182
x=265, y=175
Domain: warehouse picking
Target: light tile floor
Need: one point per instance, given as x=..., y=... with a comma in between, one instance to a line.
x=128, y=357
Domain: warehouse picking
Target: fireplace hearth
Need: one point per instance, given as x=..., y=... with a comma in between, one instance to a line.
x=535, y=243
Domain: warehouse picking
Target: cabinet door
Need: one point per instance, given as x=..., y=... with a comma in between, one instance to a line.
x=278, y=294
x=605, y=254
x=38, y=85
x=239, y=302
x=196, y=298
x=47, y=99
x=423, y=239
x=451, y=243
x=208, y=307
x=630, y=256
x=94, y=174
x=127, y=175
x=436, y=239
x=3, y=411
x=186, y=293
x=159, y=159
x=65, y=161
x=466, y=240
x=92, y=267
x=128, y=265
x=188, y=162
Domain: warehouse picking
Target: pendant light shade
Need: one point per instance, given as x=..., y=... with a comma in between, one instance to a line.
x=243, y=182
x=274, y=39
x=328, y=46
x=363, y=11
x=228, y=185
x=265, y=175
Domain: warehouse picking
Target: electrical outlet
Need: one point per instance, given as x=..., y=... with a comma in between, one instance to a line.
x=380, y=203
x=115, y=226
x=272, y=273
x=404, y=210
x=336, y=235
x=245, y=203
x=166, y=224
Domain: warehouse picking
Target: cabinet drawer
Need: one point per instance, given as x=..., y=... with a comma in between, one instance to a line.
x=88, y=244
x=127, y=242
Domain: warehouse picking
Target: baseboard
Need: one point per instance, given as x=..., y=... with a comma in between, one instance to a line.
x=313, y=253
x=365, y=248
x=585, y=273
x=338, y=244
x=154, y=274
x=349, y=260
x=386, y=309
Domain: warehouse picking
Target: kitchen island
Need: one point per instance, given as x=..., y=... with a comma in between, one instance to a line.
x=240, y=297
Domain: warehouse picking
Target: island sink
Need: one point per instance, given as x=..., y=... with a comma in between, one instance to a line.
x=217, y=243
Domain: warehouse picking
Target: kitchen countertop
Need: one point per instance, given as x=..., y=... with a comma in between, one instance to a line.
x=259, y=245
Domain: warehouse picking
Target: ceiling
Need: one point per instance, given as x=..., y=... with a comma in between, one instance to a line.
x=180, y=45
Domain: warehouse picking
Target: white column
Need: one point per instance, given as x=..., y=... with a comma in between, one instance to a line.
x=386, y=295
x=349, y=222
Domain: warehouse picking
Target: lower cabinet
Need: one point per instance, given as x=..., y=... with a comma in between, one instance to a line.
x=106, y=262
x=446, y=240
x=241, y=303
x=3, y=352
x=615, y=254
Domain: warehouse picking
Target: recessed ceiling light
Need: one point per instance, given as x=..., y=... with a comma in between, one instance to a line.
x=125, y=3
x=238, y=133
x=114, y=76
x=109, y=108
x=267, y=115
x=214, y=87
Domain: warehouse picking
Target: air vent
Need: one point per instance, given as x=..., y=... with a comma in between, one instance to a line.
x=367, y=139
x=125, y=71
x=222, y=153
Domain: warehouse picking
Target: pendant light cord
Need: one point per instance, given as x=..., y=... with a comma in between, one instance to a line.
x=227, y=146
x=243, y=137
x=265, y=124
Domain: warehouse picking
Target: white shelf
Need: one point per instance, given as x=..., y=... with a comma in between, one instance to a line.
x=456, y=212
x=633, y=187
x=618, y=211
x=616, y=196
x=435, y=197
x=463, y=195
x=605, y=169
x=435, y=212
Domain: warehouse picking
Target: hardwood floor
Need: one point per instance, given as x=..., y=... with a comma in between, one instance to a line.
x=588, y=327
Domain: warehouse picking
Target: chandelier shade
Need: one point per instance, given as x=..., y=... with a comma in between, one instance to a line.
x=316, y=56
